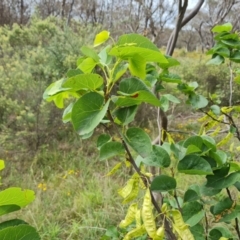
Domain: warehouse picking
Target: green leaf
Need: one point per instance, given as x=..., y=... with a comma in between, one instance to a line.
x=194, y=140
x=67, y=114
x=171, y=62
x=163, y=183
x=139, y=141
x=170, y=77
x=111, y=149
x=87, y=135
x=235, y=56
x=226, y=209
x=88, y=112
x=193, y=164
x=209, y=142
x=102, y=139
x=220, y=50
x=185, y=88
x=16, y=196
x=220, y=182
x=231, y=214
x=112, y=232
x=158, y=157
x=132, y=51
x=192, y=194
x=137, y=40
x=198, y=232
x=132, y=85
x=54, y=88
x=234, y=166
x=137, y=66
x=171, y=98
x=11, y=223
x=219, y=156
x=232, y=43
x=216, y=60
x=237, y=79
x=126, y=115
x=211, y=161
x=87, y=65
x=208, y=191
x=136, y=99
x=2, y=164
x=192, y=149
x=227, y=27
x=178, y=150
x=217, y=232
x=89, y=81
x=23, y=232
x=8, y=208
x=192, y=213
x=101, y=38
x=215, y=109
x=198, y=101
x=164, y=102
x=88, y=52
x=105, y=58
x=221, y=206
x=73, y=72
x=120, y=69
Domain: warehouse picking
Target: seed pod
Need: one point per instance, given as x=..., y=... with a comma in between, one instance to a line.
x=130, y=191
x=225, y=139
x=114, y=169
x=138, y=218
x=137, y=232
x=159, y=234
x=130, y=216
x=180, y=226
x=147, y=215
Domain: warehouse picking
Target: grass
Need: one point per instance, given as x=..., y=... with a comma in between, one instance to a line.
x=74, y=200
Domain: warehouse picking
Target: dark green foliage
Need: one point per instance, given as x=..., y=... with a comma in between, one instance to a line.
x=31, y=58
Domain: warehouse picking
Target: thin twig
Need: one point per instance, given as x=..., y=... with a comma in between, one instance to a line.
x=232, y=122
x=176, y=198
x=206, y=228
x=230, y=84
x=236, y=219
x=213, y=118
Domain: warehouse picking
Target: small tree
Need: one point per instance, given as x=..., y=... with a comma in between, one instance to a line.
x=107, y=88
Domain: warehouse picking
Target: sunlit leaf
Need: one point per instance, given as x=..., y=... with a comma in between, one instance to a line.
x=89, y=81
x=101, y=38
x=88, y=112
x=227, y=27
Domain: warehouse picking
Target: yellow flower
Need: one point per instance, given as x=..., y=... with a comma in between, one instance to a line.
x=42, y=186
x=70, y=172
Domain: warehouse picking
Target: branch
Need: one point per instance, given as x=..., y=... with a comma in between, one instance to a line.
x=236, y=219
x=213, y=118
x=146, y=181
x=193, y=13
x=232, y=122
x=181, y=22
x=174, y=36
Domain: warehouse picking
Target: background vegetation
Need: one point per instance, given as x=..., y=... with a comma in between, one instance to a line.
x=73, y=199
